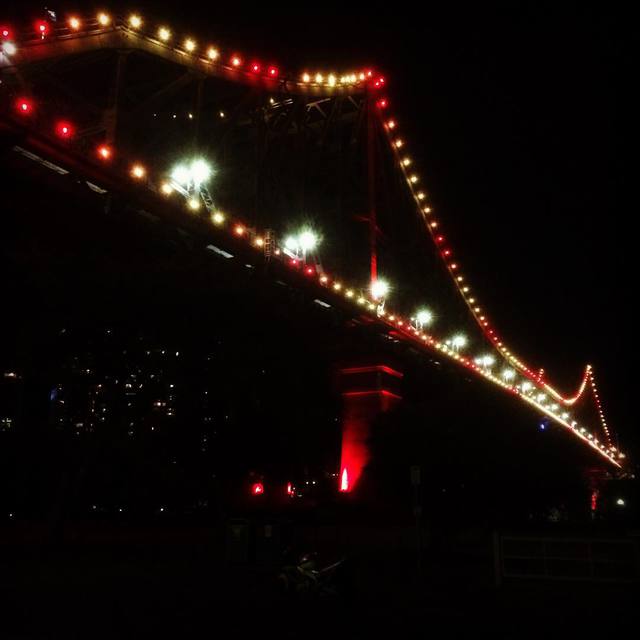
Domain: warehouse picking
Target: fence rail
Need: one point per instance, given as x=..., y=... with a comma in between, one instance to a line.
x=555, y=558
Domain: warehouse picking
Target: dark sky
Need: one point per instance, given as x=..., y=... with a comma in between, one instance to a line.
x=516, y=114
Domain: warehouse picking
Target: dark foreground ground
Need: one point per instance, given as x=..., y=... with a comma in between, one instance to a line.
x=179, y=587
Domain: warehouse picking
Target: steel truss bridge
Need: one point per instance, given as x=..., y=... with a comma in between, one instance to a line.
x=118, y=100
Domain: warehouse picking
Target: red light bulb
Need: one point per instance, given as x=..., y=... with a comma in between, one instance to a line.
x=105, y=152
x=257, y=489
x=64, y=129
x=24, y=106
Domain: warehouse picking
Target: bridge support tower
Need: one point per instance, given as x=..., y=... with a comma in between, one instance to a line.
x=367, y=391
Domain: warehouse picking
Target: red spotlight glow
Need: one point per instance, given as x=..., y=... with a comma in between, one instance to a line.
x=257, y=489
x=5, y=33
x=309, y=271
x=105, y=152
x=239, y=230
x=273, y=72
x=64, y=129
x=24, y=106
x=382, y=103
x=42, y=28
x=255, y=67
x=236, y=61
x=289, y=489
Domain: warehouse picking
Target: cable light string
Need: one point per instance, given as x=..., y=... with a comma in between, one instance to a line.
x=596, y=396
x=531, y=391
x=571, y=400
x=412, y=179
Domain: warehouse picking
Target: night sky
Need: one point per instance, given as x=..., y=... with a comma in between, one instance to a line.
x=515, y=117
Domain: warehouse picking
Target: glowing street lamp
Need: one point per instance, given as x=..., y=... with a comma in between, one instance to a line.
x=8, y=48
x=190, y=180
x=508, y=374
x=200, y=172
x=486, y=361
x=308, y=240
x=379, y=289
x=423, y=318
x=303, y=243
x=458, y=341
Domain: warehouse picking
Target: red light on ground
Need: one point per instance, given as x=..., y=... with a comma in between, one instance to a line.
x=309, y=271
x=5, y=33
x=236, y=61
x=24, y=106
x=440, y=239
x=105, y=152
x=42, y=28
x=273, y=72
x=382, y=103
x=255, y=67
x=64, y=129
x=257, y=489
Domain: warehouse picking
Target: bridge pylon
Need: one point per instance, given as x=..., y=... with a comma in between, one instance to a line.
x=367, y=390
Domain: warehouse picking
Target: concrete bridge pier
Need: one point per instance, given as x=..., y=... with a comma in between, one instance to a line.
x=367, y=391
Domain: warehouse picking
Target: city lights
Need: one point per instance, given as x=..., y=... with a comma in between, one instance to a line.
x=104, y=20
x=135, y=21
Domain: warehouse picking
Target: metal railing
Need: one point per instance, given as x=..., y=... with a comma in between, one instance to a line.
x=561, y=558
